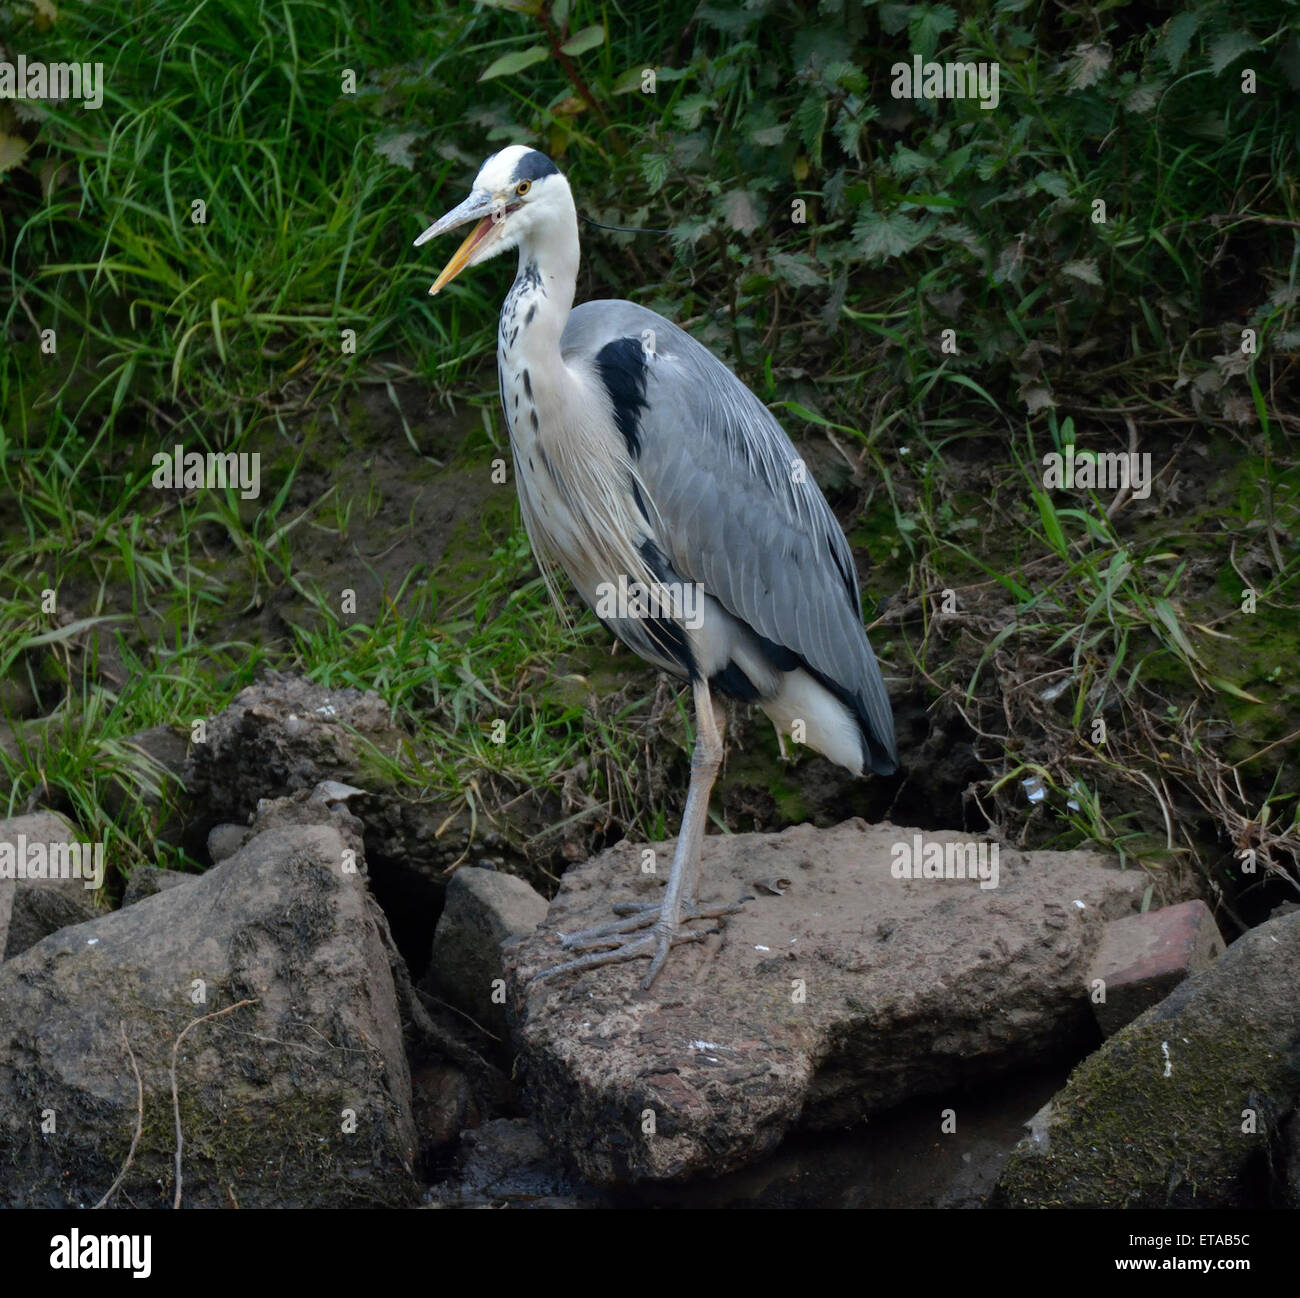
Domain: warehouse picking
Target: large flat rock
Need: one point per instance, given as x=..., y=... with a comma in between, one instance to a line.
x=838, y=992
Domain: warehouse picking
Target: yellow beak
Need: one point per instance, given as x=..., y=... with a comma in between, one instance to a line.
x=460, y=258
x=479, y=207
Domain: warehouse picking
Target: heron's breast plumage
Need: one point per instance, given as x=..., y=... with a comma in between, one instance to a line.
x=572, y=472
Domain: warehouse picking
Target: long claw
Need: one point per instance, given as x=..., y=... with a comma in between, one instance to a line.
x=661, y=954
x=634, y=950
x=618, y=943
x=641, y=917
x=615, y=927
x=634, y=907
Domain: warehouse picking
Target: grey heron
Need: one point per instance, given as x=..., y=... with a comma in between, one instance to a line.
x=680, y=511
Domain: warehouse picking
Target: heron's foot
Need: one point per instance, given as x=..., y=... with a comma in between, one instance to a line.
x=621, y=940
x=640, y=915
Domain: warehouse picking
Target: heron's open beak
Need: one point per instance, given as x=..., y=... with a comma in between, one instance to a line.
x=479, y=205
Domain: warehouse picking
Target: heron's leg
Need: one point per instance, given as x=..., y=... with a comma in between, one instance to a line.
x=685, y=874
x=665, y=918
x=705, y=761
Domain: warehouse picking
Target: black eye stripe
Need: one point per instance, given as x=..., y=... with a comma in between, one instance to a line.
x=533, y=166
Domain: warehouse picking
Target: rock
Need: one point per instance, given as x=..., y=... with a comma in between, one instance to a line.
x=484, y=909
x=149, y=881
x=32, y=908
x=1183, y=1107
x=297, y=1095
x=284, y=735
x=443, y=1105
x=1142, y=958
x=39, y=911
x=279, y=736
x=837, y=996
x=225, y=840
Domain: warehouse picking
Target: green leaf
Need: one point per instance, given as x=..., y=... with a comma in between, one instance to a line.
x=1088, y=65
x=927, y=24
x=1235, y=690
x=741, y=211
x=814, y=418
x=689, y=111
x=932, y=200
x=809, y=120
x=629, y=81
x=1224, y=49
x=13, y=149
x=689, y=233
x=729, y=20
x=1144, y=96
x=907, y=163
x=796, y=269
x=1050, y=183
x=768, y=136
x=881, y=238
x=1051, y=524
x=894, y=17
x=508, y=64
x=587, y=39
x=654, y=169
x=1178, y=36
x=1164, y=610
x=69, y=631
x=398, y=148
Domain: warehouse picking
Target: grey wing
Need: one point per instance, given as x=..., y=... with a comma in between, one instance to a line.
x=739, y=512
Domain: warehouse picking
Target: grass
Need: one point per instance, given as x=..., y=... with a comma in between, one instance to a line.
x=930, y=295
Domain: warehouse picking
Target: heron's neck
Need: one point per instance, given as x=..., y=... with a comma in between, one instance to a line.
x=538, y=304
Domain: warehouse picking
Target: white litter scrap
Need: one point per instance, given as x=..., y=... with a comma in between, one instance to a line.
x=1033, y=788
x=704, y=1047
x=1169, y=1063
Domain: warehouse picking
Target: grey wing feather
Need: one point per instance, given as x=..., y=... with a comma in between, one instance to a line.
x=738, y=516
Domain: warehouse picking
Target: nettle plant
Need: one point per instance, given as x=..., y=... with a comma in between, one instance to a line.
x=797, y=185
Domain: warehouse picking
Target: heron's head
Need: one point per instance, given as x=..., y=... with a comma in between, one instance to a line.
x=517, y=193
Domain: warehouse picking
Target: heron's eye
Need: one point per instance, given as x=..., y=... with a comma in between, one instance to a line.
x=523, y=187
